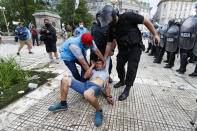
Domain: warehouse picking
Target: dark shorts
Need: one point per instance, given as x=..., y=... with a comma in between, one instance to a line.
x=51, y=48
x=81, y=87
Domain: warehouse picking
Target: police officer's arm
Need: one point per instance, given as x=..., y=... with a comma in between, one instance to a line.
x=151, y=28
x=107, y=50
x=76, y=51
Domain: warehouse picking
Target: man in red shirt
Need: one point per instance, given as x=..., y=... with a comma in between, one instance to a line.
x=34, y=34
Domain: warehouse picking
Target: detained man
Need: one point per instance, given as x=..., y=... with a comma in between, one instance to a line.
x=90, y=89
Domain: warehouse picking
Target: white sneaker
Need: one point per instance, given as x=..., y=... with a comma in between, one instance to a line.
x=57, y=61
x=51, y=61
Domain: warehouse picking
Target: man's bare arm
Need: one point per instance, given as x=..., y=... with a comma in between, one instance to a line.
x=88, y=73
x=84, y=63
x=107, y=90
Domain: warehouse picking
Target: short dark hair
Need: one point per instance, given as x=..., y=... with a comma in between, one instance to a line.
x=20, y=23
x=46, y=19
x=99, y=60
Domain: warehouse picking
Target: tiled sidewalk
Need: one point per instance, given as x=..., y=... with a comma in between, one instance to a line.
x=155, y=103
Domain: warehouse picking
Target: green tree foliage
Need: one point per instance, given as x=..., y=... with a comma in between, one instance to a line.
x=66, y=9
x=15, y=11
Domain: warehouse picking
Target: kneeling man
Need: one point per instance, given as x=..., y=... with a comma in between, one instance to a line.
x=89, y=89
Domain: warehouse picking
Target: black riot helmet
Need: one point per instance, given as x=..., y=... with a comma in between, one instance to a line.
x=98, y=15
x=177, y=21
x=156, y=25
x=108, y=15
x=170, y=22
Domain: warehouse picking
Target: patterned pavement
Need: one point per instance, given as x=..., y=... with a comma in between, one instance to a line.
x=155, y=103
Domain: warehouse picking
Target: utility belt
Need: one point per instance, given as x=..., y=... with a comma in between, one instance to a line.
x=131, y=39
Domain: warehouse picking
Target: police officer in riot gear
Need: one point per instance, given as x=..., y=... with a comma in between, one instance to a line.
x=149, y=42
x=162, y=44
x=187, y=41
x=156, y=47
x=124, y=29
x=100, y=38
x=194, y=74
x=153, y=47
x=172, y=40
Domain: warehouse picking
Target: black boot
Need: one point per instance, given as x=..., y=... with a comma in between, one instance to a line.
x=194, y=74
x=119, y=84
x=157, y=61
x=168, y=66
x=165, y=61
x=125, y=93
x=178, y=70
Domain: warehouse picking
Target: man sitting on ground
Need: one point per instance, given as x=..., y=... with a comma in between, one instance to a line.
x=89, y=89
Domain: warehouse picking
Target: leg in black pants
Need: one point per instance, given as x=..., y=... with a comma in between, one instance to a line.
x=132, y=57
x=160, y=55
x=149, y=47
x=33, y=39
x=171, y=60
x=184, y=54
x=36, y=37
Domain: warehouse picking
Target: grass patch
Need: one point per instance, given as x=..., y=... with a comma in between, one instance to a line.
x=13, y=79
x=10, y=93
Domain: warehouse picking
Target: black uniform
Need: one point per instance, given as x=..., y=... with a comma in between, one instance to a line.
x=100, y=38
x=129, y=41
x=49, y=38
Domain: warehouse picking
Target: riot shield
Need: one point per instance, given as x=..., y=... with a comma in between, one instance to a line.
x=187, y=39
x=171, y=41
x=195, y=49
x=162, y=36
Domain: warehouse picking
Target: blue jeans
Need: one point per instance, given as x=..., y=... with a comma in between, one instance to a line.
x=72, y=67
x=81, y=87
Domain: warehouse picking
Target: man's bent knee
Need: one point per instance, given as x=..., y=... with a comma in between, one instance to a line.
x=88, y=94
x=66, y=80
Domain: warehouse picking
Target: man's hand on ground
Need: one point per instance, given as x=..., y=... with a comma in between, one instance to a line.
x=110, y=100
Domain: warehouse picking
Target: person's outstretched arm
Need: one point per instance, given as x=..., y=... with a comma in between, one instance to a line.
x=151, y=28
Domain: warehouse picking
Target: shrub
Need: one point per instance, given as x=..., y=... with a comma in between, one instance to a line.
x=10, y=72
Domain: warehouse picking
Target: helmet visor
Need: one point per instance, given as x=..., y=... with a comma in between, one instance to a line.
x=105, y=19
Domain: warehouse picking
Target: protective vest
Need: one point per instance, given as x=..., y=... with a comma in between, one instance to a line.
x=25, y=35
x=65, y=52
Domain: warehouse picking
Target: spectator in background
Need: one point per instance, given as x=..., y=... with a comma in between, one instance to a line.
x=24, y=37
x=1, y=41
x=34, y=34
x=65, y=34
x=81, y=29
x=48, y=35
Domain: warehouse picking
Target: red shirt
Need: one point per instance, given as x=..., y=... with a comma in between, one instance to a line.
x=34, y=32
